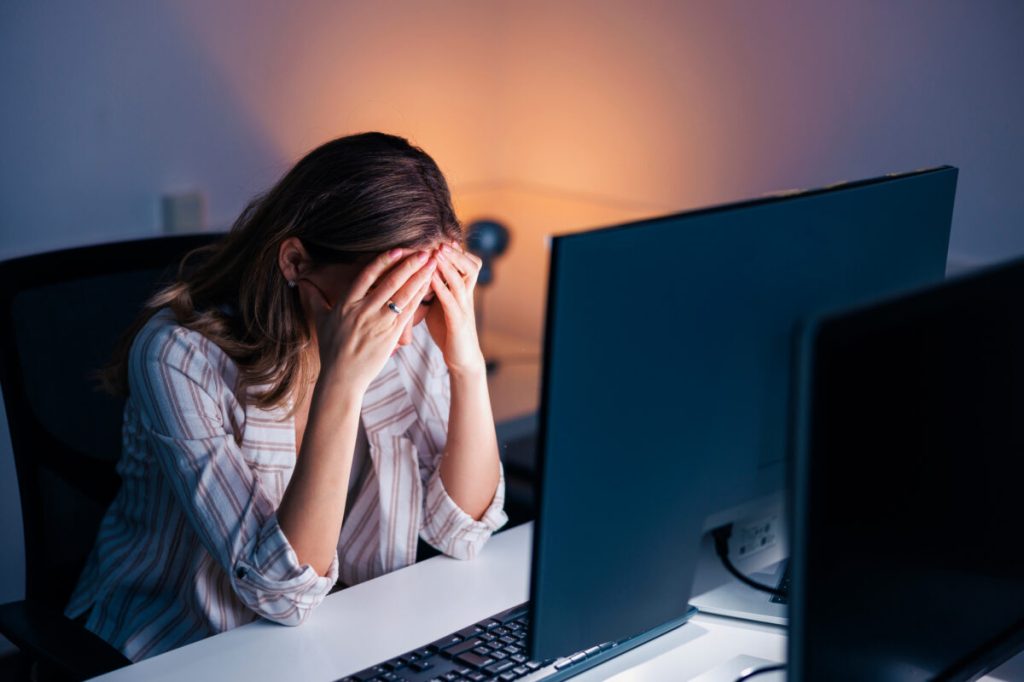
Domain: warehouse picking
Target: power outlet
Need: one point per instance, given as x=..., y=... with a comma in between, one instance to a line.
x=754, y=536
x=183, y=213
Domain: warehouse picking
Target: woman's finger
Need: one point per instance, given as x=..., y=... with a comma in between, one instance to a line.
x=452, y=276
x=385, y=288
x=468, y=263
x=378, y=266
x=408, y=291
x=410, y=309
x=444, y=295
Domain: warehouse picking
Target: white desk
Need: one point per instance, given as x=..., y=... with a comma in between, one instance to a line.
x=368, y=623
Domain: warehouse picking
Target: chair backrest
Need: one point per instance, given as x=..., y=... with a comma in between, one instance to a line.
x=63, y=313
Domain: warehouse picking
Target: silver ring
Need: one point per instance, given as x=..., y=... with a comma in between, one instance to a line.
x=394, y=308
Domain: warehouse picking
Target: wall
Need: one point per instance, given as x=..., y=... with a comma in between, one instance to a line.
x=648, y=107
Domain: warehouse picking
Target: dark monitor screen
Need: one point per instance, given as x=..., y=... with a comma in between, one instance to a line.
x=907, y=561
x=667, y=380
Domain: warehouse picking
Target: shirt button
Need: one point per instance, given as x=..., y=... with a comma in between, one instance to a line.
x=240, y=572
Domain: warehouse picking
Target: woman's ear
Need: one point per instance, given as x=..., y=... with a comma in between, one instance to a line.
x=292, y=259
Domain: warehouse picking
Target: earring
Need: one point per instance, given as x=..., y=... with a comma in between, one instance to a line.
x=291, y=283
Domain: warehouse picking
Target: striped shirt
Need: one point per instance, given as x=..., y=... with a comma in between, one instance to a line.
x=191, y=544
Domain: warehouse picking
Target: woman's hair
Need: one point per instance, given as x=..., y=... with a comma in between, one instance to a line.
x=346, y=200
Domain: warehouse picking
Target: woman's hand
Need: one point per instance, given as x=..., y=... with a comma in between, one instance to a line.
x=453, y=323
x=356, y=337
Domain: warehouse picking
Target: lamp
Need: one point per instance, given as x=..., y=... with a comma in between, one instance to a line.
x=488, y=239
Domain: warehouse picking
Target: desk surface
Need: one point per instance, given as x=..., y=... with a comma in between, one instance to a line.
x=368, y=623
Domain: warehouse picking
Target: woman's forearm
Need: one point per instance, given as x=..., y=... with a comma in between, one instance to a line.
x=469, y=467
x=313, y=506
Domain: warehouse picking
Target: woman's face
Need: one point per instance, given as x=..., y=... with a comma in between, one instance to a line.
x=335, y=280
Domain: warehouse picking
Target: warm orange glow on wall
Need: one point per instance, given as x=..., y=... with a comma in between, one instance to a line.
x=308, y=72
x=561, y=116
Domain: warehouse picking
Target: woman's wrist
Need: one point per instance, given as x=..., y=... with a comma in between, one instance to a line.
x=336, y=386
x=472, y=372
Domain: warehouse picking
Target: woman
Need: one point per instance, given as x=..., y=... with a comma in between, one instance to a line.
x=288, y=420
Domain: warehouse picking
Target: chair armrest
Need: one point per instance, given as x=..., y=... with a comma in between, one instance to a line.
x=48, y=636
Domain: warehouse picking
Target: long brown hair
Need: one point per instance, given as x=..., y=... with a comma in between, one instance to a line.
x=346, y=200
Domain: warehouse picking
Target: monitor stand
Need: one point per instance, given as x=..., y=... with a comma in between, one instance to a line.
x=736, y=600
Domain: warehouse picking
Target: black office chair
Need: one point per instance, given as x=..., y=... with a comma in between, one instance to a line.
x=62, y=314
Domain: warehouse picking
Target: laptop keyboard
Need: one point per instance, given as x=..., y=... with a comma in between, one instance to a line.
x=492, y=649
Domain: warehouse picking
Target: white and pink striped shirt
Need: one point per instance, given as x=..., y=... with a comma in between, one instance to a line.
x=191, y=545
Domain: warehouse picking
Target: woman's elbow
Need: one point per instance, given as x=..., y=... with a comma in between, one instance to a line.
x=292, y=620
x=286, y=607
x=291, y=616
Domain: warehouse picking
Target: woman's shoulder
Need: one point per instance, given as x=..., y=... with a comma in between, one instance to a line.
x=163, y=342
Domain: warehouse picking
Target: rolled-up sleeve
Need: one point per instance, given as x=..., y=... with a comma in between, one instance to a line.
x=185, y=406
x=450, y=529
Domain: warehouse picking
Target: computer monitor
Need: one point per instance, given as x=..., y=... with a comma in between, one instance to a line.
x=667, y=379
x=906, y=561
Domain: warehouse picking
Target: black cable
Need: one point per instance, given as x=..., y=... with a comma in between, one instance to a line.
x=721, y=536
x=760, y=671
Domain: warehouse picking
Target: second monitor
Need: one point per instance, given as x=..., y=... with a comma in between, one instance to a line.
x=907, y=478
